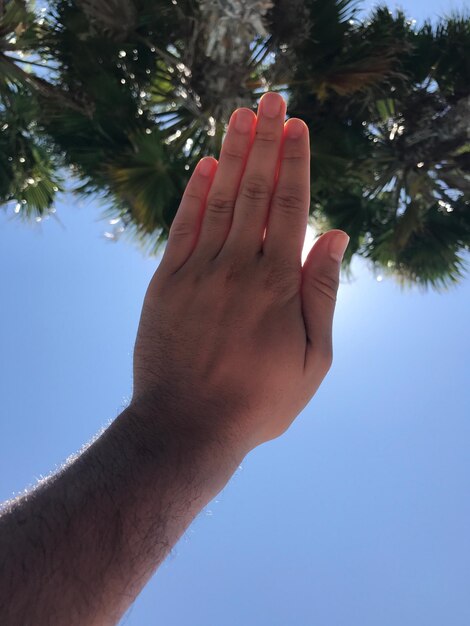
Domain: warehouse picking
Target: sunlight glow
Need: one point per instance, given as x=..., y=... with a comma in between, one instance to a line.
x=309, y=240
x=445, y=205
x=212, y=127
x=397, y=129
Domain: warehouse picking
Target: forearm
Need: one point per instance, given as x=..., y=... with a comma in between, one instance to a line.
x=79, y=548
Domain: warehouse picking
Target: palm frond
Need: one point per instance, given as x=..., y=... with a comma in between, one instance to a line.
x=133, y=93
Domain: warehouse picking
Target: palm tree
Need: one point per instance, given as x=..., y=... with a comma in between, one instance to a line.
x=129, y=94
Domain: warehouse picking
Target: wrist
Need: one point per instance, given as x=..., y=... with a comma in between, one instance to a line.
x=186, y=443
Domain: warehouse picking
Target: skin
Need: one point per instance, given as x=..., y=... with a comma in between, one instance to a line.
x=233, y=341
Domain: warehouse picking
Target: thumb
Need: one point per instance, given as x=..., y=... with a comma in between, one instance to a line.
x=320, y=281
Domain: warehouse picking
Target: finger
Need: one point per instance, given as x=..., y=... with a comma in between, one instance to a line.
x=257, y=184
x=320, y=280
x=288, y=215
x=223, y=192
x=184, y=229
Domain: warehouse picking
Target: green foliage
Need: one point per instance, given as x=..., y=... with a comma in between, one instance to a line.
x=28, y=168
x=128, y=96
x=390, y=163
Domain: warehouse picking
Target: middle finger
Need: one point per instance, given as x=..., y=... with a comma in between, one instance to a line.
x=258, y=181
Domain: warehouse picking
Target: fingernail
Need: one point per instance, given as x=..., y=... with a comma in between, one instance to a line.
x=205, y=167
x=337, y=246
x=271, y=104
x=243, y=120
x=294, y=128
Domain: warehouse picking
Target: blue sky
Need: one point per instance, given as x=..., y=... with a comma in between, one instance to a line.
x=358, y=515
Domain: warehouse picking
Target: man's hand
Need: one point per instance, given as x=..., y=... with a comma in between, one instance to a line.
x=234, y=339
x=232, y=323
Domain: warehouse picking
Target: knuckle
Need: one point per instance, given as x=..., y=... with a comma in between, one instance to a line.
x=232, y=154
x=180, y=230
x=219, y=205
x=266, y=136
x=232, y=273
x=193, y=197
x=327, y=285
x=255, y=189
x=289, y=199
x=294, y=156
x=230, y=269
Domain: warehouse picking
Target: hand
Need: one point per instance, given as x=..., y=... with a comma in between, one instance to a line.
x=235, y=334
x=234, y=339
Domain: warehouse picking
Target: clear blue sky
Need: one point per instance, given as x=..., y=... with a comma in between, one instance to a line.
x=358, y=515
